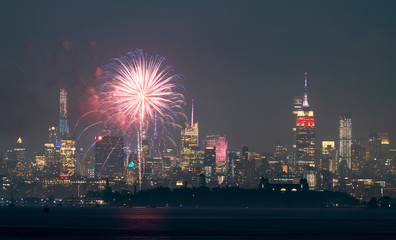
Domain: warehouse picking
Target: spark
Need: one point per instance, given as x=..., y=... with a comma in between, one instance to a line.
x=138, y=89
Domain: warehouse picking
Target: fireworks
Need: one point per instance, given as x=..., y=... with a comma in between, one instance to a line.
x=139, y=91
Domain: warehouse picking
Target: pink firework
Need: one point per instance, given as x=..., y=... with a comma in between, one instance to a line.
x=137, y=89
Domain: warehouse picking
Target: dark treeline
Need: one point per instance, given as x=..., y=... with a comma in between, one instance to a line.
x=229, y=197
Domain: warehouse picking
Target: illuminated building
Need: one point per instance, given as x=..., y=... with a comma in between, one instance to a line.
x=189, y=144
x=85, y=162
x=328, y=159
x=253, y=163
x=345, y=141
x=305, y=134
x=153, y=171
x=297, y=103
x=300, y=186
x=374, y=146
x=50, y=153
x=109, y=156
x=220, y=142
x=8, y=159
x=209, y=162
x=63, y=125
x=234, y=160
x=378, y=149
x=243, y=168
x=280, y=158
x=53, y=135
x=67, y=157
x=132, y=174
x=280, y=153
x=384, y=137
x=326, y=166
x=66, y=145
x=21, y=162
x=358, y=158
x=52, y=147
x=385, y=141
x=40, y=162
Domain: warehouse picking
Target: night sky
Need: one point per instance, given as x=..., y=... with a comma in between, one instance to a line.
x=243, y=62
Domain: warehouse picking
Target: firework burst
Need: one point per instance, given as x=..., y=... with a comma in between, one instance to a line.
x=138, y=91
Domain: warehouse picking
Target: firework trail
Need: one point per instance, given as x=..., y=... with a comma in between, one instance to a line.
x=137, y=89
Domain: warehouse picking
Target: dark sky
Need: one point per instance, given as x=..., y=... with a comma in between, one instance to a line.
x=243, y=62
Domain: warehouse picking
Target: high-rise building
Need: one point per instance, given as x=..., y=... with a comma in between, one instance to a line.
x=40, y=161
x=109, y=156
x=280, y=157
x=305, y=134
x=53, y=135
x=220, y=144
x=63, y=125
x=358, y=157
x=384, y=137
x=374, y=145
x=242, y=165
x=328, y=159
x=189, y=144
x=209, y=162
x=132, y=172
x=21, y=161
x=385, y=141
x=345, y=141
x=297, y=103
x=68, y=159
x=52, y=147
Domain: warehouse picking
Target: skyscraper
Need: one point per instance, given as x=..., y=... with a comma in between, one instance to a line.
x=68, y=158
x=63, y=125
x=209, y=162
x=52, y=153
x=328, y=158
x=21, y=161
x=345, y=142
x=53, y=135
x=221, y=144
x=189, y=143
x=305, y=134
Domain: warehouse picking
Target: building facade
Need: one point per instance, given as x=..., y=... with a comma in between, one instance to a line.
x=304, y=135
x=63, y=124
x=345, y=141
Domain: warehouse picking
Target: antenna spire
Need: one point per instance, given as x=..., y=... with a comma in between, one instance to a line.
x=305, y=100
x=306, y=82
x=192, y=113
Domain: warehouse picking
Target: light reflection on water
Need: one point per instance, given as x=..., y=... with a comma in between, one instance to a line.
x=184, y=223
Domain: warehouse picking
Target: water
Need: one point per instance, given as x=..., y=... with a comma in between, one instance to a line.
x=196, y=223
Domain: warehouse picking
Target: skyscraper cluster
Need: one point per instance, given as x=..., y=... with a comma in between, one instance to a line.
x=358, y=166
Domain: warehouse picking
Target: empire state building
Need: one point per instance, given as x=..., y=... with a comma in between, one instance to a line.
x=305, y=134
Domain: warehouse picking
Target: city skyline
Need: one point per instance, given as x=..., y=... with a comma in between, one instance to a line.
x=245, y=105
x=303, y=97
x=209, y=119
